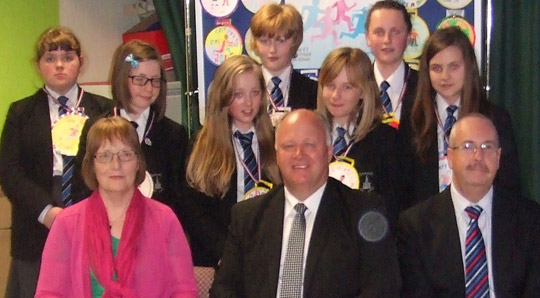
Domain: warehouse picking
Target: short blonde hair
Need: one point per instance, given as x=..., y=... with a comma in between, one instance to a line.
x=360, y=74
x=274, y=19
x=110, y=129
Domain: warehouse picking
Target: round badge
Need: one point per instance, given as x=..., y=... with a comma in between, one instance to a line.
x=66, y=133
x=373, y=226
x=249, y=49
x=344, y=172
x=222, y=42
x=461, y=23
x=147, y=186
x=454, y=4
x=219, y=8
x=419, y=36
x=254, y=5
x=413, y=4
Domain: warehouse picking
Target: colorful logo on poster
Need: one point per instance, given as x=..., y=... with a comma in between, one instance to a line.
x=454, y=4
x=219, y=8
x=222, y=42
x=412, y=4
x=419, y=36
x=457, y=21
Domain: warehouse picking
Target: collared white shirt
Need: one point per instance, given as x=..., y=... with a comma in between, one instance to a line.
x=53, y=114
x=141, y=122
x=312, y=203
x=239, y=156
x=285, y=84
x=347, y=135
x=397, y=83
x=484, y=223
x=58, y=161
x=441, y=111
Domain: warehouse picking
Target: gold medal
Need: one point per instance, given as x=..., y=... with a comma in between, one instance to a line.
x=343, y=170
x=260, y=189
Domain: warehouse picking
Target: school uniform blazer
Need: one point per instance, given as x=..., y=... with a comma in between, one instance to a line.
x=302, y=92
x=340, y=263
x=423, y=176
x=164, y=148
x=410, y=91
x=26, y=167
x=430, y=251
x=376, y=161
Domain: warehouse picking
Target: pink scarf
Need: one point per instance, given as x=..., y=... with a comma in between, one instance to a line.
x=99, y=245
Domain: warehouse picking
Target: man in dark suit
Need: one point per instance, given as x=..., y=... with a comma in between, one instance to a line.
x=388, y=32
x=30, y=170
x=312, y=237
x=473, y=239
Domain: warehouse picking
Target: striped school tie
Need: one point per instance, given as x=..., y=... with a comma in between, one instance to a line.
x=448, y=123
x=476, y=267
x=249, y=159
x=67, y=161
x=276, y=94
x=385, y=98
x=340, y=143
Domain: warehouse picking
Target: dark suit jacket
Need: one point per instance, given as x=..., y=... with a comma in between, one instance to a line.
x=26, y=167
x=410, y=91
x=423, y=176
x=165, y=156
x=302, y=92
x=430, y=250
x=340, y=263
x=377, y=163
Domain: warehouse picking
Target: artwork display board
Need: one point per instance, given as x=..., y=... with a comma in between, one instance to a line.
x=223, y=30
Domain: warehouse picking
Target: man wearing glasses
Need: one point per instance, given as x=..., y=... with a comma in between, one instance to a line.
x=473, y=239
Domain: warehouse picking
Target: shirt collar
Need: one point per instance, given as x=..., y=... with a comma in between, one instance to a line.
x=284, y=76
x=460, y=202
x=442, y=105
x=141, y=122
x=312, y=202
x=396, y=79
x=71, y=95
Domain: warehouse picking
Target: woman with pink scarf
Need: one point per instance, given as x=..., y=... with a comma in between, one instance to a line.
x=116, y=243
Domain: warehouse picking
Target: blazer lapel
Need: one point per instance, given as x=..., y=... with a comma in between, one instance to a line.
x=327, y=213
x=450, y=246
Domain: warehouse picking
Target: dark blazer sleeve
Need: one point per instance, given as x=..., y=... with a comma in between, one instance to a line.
x=302, y=92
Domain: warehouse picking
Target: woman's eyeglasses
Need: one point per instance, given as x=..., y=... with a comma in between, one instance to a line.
x=107, y=156
x=142, y=81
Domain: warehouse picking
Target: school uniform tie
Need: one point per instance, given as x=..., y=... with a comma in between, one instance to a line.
x=293, y=267
x=340, y=143
x=249, y=159
x=276, y=94
x=476, y=266
x=385, y=98
x=448, y=123
x=68, y=162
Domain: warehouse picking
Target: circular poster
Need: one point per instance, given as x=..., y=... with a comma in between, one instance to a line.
x=454, y=4
x=219, y=8
x=419, y=36
x=463, y=24
x=222, y=42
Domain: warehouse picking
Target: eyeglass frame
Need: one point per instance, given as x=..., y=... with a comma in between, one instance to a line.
x=151, y=80
x=471, y=147
x=131, y=155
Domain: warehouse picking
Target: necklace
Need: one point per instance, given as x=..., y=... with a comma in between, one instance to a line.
x=111, y=222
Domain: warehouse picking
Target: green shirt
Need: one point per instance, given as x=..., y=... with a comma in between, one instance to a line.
x=97, y=289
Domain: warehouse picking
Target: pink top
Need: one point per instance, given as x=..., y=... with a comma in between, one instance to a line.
x=163, y=266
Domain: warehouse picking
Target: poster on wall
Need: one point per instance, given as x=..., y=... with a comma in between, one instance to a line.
x=223, y=30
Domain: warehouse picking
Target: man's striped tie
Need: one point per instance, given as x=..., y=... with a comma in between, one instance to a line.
x=476, y=266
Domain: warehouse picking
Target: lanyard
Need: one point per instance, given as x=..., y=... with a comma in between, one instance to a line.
x=403, y=89
x=66, y=107
x=246, y=169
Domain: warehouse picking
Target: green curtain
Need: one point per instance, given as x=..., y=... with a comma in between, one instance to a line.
x=515, y=80
x=172, y=19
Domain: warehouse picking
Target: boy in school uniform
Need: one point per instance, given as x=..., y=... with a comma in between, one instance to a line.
x=277, y=33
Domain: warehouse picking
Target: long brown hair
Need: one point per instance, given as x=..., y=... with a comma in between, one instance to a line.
x=140, y=51
x=423, y=115
x=212, y=162
x=360, y=75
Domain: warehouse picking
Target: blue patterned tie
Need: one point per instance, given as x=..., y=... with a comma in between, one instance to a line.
x=340, y=143
x=476, y=267
x=448, y=123
x=291, y=279
x=385, y=98
x=249, y=159
x=68, y=161
x=276, y=94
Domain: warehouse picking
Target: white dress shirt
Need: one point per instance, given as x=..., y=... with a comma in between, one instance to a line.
x=141, y=121
x=484, y=223
x=285, y=84
x=397, y=83
x=312, y=203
